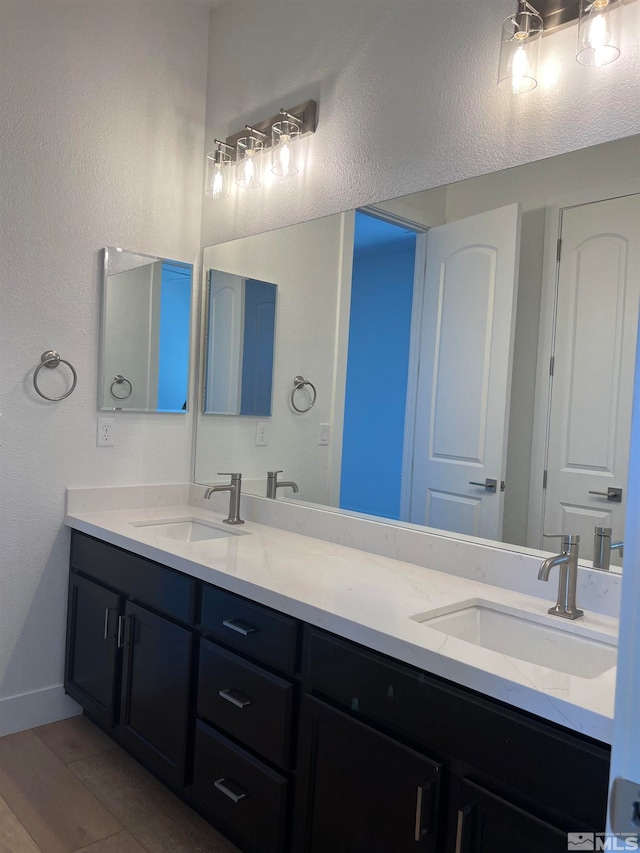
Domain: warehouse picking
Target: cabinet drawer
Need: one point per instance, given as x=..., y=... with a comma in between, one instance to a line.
x=241, y=794
x=247, y=702
x=151, y=584
x=551, y=766
x=251, y=628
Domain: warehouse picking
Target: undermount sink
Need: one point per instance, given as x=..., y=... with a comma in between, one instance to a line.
x=190, y=529
x=570, y=649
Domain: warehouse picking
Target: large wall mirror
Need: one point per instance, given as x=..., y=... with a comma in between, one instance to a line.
x=472, y=347
x=146, y=320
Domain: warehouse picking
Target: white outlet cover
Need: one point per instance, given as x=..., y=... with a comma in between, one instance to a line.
x=105, y=432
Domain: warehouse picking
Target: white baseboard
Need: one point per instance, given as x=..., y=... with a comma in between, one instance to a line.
x=27, y=710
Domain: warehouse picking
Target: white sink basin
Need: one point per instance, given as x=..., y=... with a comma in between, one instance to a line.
x=564, y=647
x=190, y=529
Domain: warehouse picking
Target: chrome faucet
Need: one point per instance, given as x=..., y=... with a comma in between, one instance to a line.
x=234, y=496
x=273, y=485
x=603, y=546
x=567, y=562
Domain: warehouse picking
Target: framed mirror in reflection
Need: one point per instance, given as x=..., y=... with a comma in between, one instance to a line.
x=479, y=375
x=239, y=345
x=145, y=336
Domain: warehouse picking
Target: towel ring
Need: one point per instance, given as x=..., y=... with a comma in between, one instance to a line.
x=118, y=379
x=52, y=359
x=298, y=383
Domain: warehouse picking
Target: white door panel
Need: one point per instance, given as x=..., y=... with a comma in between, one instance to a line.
x=225, y=328
x=465, y=372
x=590, y=419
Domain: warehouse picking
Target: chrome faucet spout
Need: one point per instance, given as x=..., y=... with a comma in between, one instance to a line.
x=233, y=488
x=545, y=569
x=567, y=562
x=273, y=484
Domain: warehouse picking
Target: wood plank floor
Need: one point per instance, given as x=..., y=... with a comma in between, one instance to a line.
x=66, y=788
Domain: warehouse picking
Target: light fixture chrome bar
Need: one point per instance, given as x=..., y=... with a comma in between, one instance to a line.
x=555, y=13
x=305, y=115
x=255, y=130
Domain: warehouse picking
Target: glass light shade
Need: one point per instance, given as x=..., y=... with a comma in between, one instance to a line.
x=283, y=134
x=249, y=162
x=599, y=31
x=520, y=52
x=216, y=180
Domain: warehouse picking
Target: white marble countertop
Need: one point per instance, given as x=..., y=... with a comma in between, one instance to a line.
x=369, y=599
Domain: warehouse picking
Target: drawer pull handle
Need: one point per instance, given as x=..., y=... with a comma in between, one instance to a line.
x=224, y=786
x=417, y=835
x=461, y=834
x=107, y=612
x=235, y=697
x=424, y=816
x=121, y=641
x=238, y=626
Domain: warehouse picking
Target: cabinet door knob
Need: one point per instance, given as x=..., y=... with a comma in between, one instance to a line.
x=235, y=697
x=239, y=626
x=230, y=789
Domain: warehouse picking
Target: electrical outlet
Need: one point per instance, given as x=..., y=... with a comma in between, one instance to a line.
x=262, y=436
x=106, y=429
x=262, y=429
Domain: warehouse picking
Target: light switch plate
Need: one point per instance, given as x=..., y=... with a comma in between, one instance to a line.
x=323, y=435
x=625, y=806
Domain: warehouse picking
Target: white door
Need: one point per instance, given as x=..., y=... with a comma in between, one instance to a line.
x=625, y=749
x=464, y=382
x=225, y=328
x=595, y=342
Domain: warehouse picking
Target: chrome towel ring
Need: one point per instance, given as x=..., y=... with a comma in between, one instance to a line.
x=52, y=359
x=119, y=379
x=298, y=383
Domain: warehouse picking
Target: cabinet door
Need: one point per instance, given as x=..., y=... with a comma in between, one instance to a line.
x=155, y=692
x=487, y=823
x=364, y=790
x=92, y=620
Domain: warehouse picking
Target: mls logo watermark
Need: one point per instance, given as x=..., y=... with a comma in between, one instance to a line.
x=601, y=841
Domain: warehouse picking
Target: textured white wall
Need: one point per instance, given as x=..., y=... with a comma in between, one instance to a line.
x=408, y=99
x=102, y=109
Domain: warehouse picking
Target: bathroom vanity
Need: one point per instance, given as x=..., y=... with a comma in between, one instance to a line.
x=229, y=667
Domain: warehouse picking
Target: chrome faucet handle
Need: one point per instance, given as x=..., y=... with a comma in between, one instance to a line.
x=568, y=539
x=275, y=473
x=228, y=474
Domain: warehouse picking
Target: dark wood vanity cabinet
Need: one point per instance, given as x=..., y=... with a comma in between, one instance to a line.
x=293, y=740
x=364, y=790
x=127, y=664
x=492, y=779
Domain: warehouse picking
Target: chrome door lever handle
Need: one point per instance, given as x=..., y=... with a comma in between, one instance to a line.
x=612, y=494
x=489, y=485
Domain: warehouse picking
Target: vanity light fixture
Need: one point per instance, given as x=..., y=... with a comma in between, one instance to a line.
x=248, y=160
x=598, y=32
x=217, y=171
x=283, y=134
x=599, y=27
x=520, y=50
x=279, y=132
